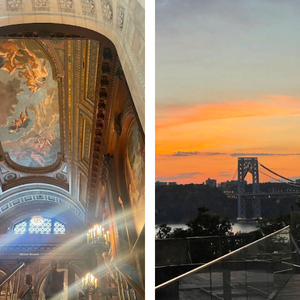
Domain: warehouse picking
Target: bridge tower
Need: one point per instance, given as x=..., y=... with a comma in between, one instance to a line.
x=248, y=165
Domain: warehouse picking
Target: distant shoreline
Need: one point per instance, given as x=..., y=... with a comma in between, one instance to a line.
x=242, y=227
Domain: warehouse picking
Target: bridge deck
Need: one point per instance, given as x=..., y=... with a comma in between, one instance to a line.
x=291, y=290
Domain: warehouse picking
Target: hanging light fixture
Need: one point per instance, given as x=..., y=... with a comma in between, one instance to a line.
x=89, y=283
x=98, y=235
x=37, y=220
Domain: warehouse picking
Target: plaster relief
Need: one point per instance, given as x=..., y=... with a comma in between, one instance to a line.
x=107, y=11
x=13, y=5
x=120, y=17
x=40, y=4
x=66, y=5
x=85, y=140
x=88, y=7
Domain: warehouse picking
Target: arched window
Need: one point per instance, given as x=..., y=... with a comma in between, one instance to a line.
x=40, y=225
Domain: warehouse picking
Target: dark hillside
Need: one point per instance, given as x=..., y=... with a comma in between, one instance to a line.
x=179, y=203
x=176, y=204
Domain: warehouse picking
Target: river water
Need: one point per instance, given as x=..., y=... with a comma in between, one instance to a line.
x=243, y=227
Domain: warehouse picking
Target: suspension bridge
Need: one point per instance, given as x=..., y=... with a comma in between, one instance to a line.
x=250, y=165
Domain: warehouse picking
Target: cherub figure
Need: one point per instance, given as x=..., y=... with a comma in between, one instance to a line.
x=9, y=50
x=32, y=82
x=7, y=66
x=37, y=158
x=17, y=123
x=39, y=71
x=43, y=144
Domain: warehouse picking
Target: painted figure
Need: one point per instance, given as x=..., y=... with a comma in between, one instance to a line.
x=31, y=136
x=17, y=123
x=37, y=72
x=7, y=66
x=41, y=143
x=8, y=51
x=31, y=82
x=37, y=158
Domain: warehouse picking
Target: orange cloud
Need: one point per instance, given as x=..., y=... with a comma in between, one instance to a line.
x=270, y=105
x=193, y=133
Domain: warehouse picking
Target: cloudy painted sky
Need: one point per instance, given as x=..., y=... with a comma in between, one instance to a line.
x=227, y=85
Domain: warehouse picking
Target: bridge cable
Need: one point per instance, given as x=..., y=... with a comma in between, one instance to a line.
x=277, y=174
x=294, y=185
x=272, y=177
x=234, y=175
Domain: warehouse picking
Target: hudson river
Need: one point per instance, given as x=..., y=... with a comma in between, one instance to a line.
x=243, y=227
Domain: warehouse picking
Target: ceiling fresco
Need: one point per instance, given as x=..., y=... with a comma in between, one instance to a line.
x=29, y=106
x=136, y=172
x=51, y=91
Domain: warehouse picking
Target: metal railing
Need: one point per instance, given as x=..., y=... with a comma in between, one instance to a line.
x=11, y=283
x=179, y=251
x=127, y=288
x=259, y=268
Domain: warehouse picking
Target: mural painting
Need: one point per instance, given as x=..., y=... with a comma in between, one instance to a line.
x=29, y=118
x=136, y=169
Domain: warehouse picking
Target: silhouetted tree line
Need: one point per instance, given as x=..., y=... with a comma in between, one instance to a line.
x=218, y=232
x=206, y=223
x=209, y=223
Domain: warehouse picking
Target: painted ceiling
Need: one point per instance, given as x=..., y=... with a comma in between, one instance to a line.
x=47, y=107
x=29, y=105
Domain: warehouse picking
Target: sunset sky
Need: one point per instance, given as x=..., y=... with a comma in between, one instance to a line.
x=227, y=85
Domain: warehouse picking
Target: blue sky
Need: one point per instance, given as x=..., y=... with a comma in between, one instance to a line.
x=216, y=50
x=227, y=81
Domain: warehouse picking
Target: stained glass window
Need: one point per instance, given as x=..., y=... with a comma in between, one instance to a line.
x=40, y=225
x=44, y=227
x=20, y=228
x=59, y=228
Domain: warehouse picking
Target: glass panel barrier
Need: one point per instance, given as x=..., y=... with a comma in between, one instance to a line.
x=254, y=272
x=195, y=286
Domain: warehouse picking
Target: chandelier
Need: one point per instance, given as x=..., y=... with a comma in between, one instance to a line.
x=37, y=220
x=98, y=235
x=89, y=283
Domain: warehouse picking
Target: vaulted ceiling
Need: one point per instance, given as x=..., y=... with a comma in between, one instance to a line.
x=52, y=112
